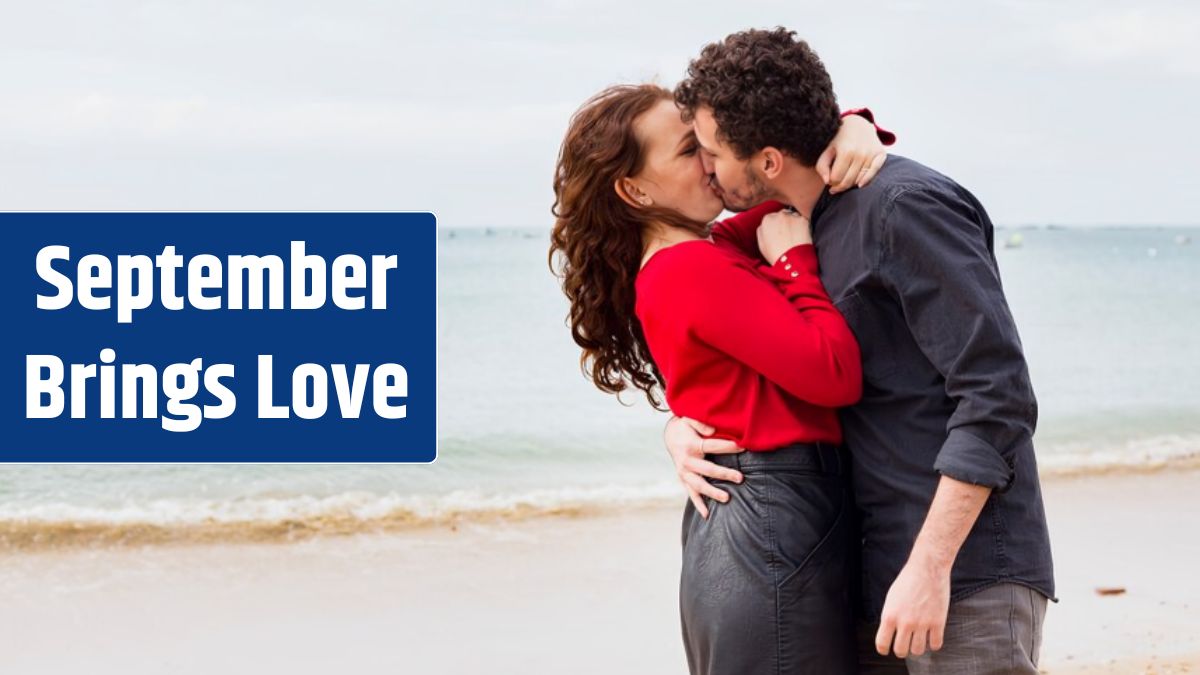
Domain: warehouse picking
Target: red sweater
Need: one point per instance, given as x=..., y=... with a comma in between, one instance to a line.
x=759, y=352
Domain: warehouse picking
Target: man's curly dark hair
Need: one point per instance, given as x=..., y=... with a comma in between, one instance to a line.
x=765, y=88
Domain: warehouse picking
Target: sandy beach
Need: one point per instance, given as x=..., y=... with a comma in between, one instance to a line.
x=579, y=595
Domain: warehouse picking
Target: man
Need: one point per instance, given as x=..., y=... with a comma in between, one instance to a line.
x=956, y=564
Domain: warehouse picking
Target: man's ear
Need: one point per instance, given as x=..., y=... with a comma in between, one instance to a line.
x=629, y=192
x=770, y=161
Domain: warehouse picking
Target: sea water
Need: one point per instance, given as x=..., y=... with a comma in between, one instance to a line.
x=1108, y=317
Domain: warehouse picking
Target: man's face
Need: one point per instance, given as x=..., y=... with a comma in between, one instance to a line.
x=733, y=179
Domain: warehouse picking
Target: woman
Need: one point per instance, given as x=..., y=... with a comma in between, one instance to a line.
x=736, y=329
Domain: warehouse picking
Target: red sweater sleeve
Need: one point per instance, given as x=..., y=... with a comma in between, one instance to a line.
x=796, y=339
x=741, y=230
x=886, y=137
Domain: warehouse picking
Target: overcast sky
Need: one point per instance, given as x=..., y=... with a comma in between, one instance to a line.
x=1064, y=112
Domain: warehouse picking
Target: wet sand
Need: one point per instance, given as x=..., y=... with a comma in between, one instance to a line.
x=576, y=595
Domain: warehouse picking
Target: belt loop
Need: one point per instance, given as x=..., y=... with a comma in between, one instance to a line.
x=831, y=461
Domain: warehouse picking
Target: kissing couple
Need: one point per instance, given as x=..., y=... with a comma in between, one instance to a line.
x=852, y=415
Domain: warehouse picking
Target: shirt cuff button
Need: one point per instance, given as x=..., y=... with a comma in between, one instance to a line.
x=783, y=259
x=795, y=274
x=787, y=267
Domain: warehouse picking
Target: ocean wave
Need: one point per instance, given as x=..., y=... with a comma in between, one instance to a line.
x=1138, y=455
x=284, y=519
x=42, y=525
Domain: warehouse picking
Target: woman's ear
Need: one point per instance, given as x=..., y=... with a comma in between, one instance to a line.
x=772, y=162
x=629, y=192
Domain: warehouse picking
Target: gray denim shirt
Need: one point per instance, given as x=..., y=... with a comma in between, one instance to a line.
x=909, y=261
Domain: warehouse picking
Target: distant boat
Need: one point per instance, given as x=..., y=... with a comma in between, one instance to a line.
x=1152, y=252
x=1015, y=241
x=1183, y=240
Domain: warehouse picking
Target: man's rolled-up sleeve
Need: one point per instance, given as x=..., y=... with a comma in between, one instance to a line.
x=937, y=260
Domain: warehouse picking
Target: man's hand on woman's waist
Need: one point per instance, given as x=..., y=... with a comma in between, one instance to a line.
x=687, y=443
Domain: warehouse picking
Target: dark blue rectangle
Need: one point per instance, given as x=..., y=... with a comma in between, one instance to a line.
x=404, y=333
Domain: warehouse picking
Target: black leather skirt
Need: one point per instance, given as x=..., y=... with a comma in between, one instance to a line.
x=767, y=580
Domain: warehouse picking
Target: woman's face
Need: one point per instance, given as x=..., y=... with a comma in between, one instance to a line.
x=672, y=174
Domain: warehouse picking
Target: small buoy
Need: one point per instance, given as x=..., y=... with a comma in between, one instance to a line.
x=1153, y=252
x=1015, y=241
x=1183, y=239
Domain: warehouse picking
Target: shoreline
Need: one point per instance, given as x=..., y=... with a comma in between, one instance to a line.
x=339, y=520
x=581, y=594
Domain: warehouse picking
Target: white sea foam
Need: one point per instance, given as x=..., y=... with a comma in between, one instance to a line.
x=282, y=517
x=1139, y=454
